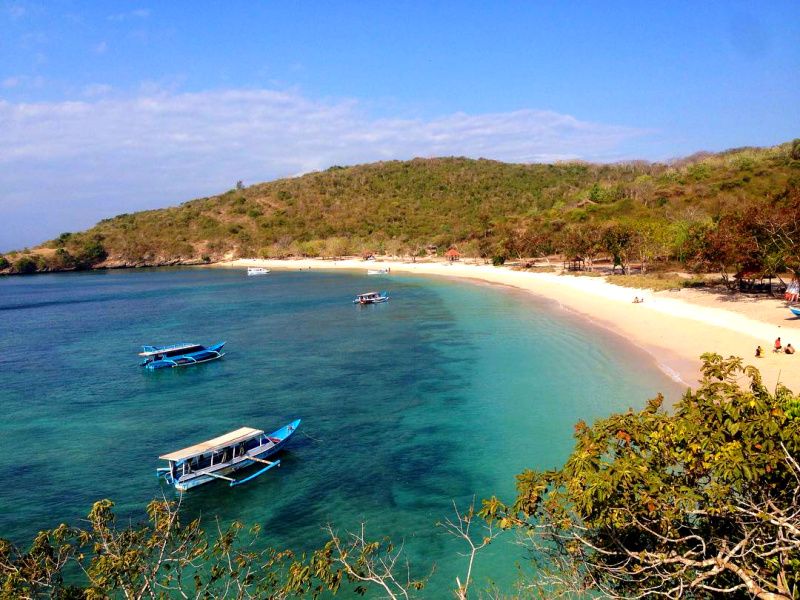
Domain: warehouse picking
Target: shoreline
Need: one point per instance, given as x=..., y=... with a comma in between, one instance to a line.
x=674, y=327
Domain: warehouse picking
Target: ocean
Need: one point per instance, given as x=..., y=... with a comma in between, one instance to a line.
x=441, y=395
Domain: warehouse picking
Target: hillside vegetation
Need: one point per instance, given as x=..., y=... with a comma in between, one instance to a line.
x=637, y=211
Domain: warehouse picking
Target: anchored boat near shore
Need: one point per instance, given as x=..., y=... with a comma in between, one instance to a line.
x=257, y=271
x=217, y=458
x=179, y=355
x=371, y=298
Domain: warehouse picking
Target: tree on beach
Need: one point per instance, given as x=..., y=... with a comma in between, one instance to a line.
x=620, y=240
x=698, y=502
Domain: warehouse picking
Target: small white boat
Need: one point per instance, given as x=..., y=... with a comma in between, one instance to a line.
x=257, y=271
x=371, y=298
x=385, y=271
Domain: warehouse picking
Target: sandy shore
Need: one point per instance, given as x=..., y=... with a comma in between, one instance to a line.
x=674, y=327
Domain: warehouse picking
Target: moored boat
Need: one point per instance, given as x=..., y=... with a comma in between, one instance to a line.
x=217, y=458
x=385, y=271
x=371, y=298
x=795, y=310
x=179, y=355
x=257, y=271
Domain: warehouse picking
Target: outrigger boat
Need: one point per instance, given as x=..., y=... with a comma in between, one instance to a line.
x=179, y=355
x=371, y=298
x=219, y=457
x=257, y=271
x=795, y=310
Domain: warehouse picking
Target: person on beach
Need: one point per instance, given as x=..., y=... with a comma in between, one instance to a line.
x=759, y=352
x=778, y=345
x=789, y=349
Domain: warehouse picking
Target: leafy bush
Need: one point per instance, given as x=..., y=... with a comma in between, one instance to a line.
x=25, y=265
x=4, y=264
x=498, y=260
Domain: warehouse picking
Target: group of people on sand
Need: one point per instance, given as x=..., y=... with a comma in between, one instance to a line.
x=778, y=347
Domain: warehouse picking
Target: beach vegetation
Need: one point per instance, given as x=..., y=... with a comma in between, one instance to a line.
x=4, y=264
x=699, y=501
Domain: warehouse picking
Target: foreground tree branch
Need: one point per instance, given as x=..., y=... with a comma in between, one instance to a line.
x=695, y=503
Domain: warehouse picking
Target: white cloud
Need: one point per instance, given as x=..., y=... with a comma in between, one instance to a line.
x=15, y=10
x=109, y=154
x=139, y=13
x=97, y=89
x=22, y=81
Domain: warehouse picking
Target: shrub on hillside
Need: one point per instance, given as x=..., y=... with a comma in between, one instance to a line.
x=25, y=265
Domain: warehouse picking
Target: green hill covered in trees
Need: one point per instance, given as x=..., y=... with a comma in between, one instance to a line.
x=635, y=211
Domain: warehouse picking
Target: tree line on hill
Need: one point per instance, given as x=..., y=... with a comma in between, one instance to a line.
x=734, y=212
x=700, y=502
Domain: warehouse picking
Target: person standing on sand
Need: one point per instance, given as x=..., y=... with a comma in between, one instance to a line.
x=759, y=352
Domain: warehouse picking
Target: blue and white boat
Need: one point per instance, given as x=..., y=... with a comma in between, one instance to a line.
x=371, y=298
x=179, y=355
x=219, y=457
x=795, y=310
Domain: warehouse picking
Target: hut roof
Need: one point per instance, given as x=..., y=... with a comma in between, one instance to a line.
x=452, y=252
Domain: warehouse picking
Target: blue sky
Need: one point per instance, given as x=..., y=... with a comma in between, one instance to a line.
x=111, y=107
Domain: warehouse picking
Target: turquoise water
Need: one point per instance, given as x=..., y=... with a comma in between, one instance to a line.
x=442, y=394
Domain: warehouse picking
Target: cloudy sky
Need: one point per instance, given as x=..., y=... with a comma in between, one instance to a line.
x=111, y=107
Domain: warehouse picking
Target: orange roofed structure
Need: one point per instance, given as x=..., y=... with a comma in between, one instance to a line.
x=452, y=254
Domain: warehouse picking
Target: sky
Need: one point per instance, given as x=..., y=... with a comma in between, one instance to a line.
x=113, y=107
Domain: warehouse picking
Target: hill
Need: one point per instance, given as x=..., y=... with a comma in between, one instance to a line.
x=485, y=208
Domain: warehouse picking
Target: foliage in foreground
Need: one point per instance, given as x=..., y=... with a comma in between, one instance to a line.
x=696, y=503
x=165, y=558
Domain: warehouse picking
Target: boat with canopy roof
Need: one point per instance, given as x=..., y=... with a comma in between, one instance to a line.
x=371, y=298
x=179, y=355
x=217, y=458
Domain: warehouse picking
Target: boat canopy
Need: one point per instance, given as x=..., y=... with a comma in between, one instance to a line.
x=153, y=350
x=367, y=294
x=229, y=439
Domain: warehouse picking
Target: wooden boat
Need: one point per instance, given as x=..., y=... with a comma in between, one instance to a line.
x=179, y=355
x=219, y=457
x=379, y=271
x=371, y=298
x=257, y=271
x=795, y=310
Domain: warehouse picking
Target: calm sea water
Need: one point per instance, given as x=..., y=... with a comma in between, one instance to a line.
x=443, y=394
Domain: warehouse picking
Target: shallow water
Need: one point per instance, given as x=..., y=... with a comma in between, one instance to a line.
x=444, y=393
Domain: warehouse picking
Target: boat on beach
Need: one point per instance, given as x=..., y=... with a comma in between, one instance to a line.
x=795, y=310
x=217, y=458
x=256, y=271
x=371, y=298
x=179, y=355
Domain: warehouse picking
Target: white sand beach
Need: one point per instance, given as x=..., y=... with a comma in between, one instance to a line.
x=675, y=327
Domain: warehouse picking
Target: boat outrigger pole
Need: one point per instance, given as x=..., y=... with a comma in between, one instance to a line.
x=277, y=463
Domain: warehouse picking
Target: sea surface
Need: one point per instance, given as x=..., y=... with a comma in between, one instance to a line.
x=441, y=395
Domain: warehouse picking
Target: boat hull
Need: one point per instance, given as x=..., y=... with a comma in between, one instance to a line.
x=284, y=433
x=207, y=355
x=795, y=311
